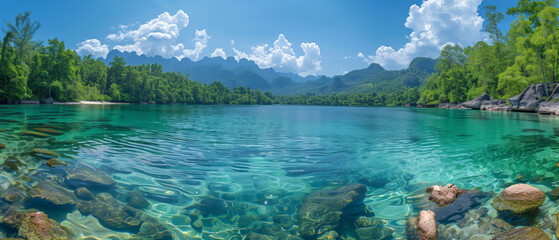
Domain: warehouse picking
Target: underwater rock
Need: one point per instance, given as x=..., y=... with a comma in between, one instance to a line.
x=137, y=200
x=197, y=225
x=13, y=163
x=494, y=227
x=210, y=207
x=37, y=226
x=374, y=233
x=426, y=225
x=13, y=195
x=46, y=191
x=523, y=233
x=461, y=206
x=283, y=220
x=519, y=198
x=52, y=162
x=321, y=211
x=444, y=195
x=554, y=193
x=155, y=230
x=35, y=134
x=111, y=213
x=256, y=236
x=362, y=222
x=84, y=194
x=330, y=235
x=88, y=177
x=2, y=146
x=45, y=152
x=49, y=131
x=180, y=220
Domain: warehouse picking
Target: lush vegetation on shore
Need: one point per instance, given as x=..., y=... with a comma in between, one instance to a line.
x=33, y=70
x=527, y=54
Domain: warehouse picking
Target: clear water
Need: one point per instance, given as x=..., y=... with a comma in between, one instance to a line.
x=262, y=155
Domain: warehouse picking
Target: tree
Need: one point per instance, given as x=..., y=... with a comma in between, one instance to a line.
x=492, y=20
x=23, y=30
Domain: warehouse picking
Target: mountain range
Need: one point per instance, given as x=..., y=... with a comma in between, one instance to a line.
x=233, y=73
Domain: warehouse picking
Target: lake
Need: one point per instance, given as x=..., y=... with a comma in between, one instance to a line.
x=236, y=168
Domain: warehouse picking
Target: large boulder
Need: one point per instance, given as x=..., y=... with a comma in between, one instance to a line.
x=495, y=105
x=523, y=233
x=519, y=198
x=529, y=99
x=477, y=102
x=47, y=192
x=321, y=211
x=444, y=195
x=549, y=108
x=426, y=225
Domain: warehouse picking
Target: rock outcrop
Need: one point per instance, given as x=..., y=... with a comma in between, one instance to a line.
x=444, y=195
x=529, y=99
x=477, y=102
x=519, y=198
x=495, y=105
x=549, y=108
x=426, y=225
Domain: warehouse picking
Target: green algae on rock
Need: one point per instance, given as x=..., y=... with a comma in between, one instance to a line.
x=35, y=133
x=45, y=152
x=52, y=193
x=88, y=177
x=49, y=131
x=83, y=194
x=321, y=211
x=519, y=198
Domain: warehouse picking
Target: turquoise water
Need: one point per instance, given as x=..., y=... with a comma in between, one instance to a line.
x=268, y=158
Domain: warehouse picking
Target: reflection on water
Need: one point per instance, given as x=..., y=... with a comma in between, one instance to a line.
x=225, y=171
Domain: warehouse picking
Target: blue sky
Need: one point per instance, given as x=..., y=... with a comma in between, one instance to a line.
x=306, y=37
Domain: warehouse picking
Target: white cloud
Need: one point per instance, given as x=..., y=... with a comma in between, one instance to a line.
x=219, y=53
x=435, y=24
x=93, y=47
x=232, y=42
x=281, y=57
x=200, y=42
x=159, y=37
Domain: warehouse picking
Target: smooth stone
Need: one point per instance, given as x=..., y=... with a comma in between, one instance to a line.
x=198, y=225
x=426, y=225
x=52, y=193
x=523, y=233
x=555, y=193
x=54, y=162
x=137, y=200
x=362, y=221
x=45, y=152
x=496, y=226
x=51, y=126
x=111, y=213
x=330, y=235
x=84, y=194
x=49, y=131
x=2, y=146
x=35, y=133
x=13, y=163
x=88, y=177
x=444, y=195
x=481, y=237
x=519, y=198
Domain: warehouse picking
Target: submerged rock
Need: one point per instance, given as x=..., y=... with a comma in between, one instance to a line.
x=46, y=191
x=37, y=226
x=13, y=163
x=35, y=133
x=523, y=233
x=519, y=198
x=464, y=203
x=444, y=195
x=49, y=131
x=2, y=146
x=54, y=162
x=84, y=194
x=374, y=233
x=88, y=177
x=321, y=211
x=45, y=152
x=427, y=225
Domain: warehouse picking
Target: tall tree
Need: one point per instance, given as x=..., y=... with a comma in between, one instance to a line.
x=23, y=30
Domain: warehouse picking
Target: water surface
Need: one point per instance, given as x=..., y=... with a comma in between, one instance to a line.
x=270, y=157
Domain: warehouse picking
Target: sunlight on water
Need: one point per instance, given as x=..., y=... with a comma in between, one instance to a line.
x=238, y=168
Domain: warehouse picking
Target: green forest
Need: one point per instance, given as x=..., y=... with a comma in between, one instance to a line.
x=528, y=53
